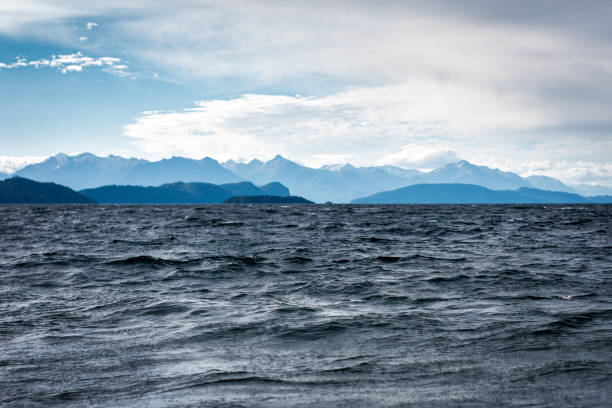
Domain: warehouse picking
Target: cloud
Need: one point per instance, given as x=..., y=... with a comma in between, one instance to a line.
x=412, y=125
x=71, y=63
x=90, y=25
x=11, y=164
x=556, y=54
x=496, y=82
x=393, y=40
x=83, y=39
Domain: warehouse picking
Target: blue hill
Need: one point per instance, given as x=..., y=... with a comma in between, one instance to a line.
x=275, y=189
x=244, y=188
x=19, y=190
x=174, y=193
x=469, y=194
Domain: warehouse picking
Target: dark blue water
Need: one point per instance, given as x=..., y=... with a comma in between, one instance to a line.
x=278, y=306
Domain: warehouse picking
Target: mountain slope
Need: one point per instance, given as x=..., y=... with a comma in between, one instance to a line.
x=175, y=193
x=464, y=172
x=467, y=194
x=244, y=188
x=275, y=189
x=549, y=183
x=18, y=190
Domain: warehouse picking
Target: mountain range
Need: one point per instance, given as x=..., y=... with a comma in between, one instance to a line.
x=181, y=193
x=473, y=194
x=88, y=171
x=18, y=190
x=336, y=183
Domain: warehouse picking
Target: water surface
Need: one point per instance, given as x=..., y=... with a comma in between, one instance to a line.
x=306, y=305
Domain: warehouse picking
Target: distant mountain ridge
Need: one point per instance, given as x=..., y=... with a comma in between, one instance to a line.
x=81, y=171
x=179, y=193
x=464, y=172
x=474, y=194
x=336, y=183
x=88, y=171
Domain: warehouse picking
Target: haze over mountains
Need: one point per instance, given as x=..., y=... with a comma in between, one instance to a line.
x=336, y=183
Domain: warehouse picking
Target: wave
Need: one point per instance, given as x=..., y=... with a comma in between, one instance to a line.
x=337, y=306
x=578, y=320
x=417, y=256
x=298, y=259
x=164, y=309
x=151, y=260
x=155, y=242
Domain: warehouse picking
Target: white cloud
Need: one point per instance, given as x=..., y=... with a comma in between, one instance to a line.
x=71, y=63
x=411, y=125
x=10, y=164
x=493, y=82
x=90, y=25
x=487, y=42
x=83, y=39
x=18, y=16
x=490, y=45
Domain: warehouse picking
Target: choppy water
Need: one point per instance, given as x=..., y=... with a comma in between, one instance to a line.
x=306, y=306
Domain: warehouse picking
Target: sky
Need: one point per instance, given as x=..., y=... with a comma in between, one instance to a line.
x=524, y=86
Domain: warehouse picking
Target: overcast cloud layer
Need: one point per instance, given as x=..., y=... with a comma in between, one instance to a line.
x=525, y=86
